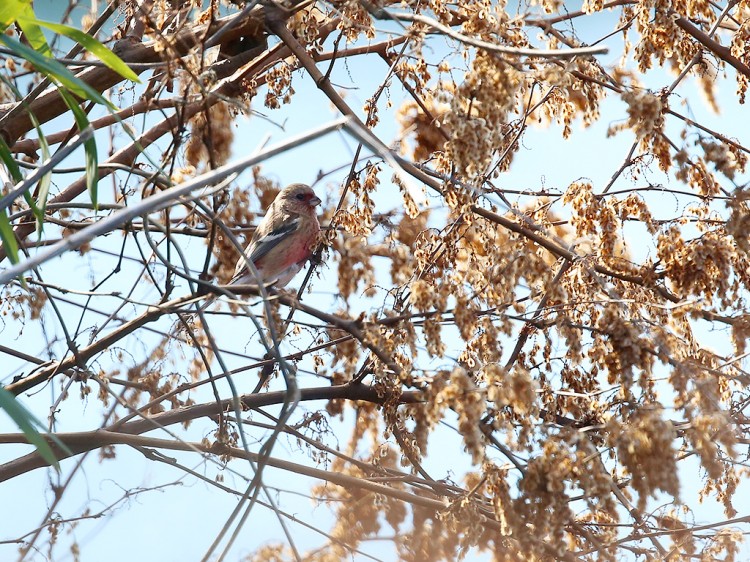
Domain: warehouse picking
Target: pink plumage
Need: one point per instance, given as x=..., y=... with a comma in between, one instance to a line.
x=284, y=239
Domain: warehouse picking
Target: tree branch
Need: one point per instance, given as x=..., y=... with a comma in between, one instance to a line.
x=87, y=441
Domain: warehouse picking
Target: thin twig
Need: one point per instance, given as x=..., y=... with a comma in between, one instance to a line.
x=492, y=47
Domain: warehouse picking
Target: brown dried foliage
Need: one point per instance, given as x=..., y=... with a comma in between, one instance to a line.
x=530, y=372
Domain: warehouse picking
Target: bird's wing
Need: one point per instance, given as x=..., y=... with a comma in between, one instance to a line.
x=260, y=248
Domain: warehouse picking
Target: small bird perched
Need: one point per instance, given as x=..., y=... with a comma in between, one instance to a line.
x=283, y=241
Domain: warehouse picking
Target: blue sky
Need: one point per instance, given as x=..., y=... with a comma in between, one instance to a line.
x=162, y=524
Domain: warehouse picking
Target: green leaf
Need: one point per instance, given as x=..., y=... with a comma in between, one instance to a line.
x=34, y=34
x=10, y=163
x=26, y=421
x=61, y=76
x=39, y=206
x=6, y=229
x=55, y=71
x=8, y=237
x=22, y=12
x=10, y=10
x=15, y=171
x=93, y=46
x=92, y=162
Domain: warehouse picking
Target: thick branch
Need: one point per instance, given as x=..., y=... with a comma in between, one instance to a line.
x=32, y=461
x=50, y=105
x=724, y=53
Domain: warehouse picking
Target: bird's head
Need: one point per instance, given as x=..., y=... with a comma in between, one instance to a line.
x=298, y=198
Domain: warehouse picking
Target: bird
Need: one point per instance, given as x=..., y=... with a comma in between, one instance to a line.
x=283, y=241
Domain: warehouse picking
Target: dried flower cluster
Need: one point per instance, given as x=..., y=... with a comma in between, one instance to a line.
x=506, y=350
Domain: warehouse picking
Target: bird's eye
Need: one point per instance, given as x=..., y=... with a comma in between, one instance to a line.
x=300, y=196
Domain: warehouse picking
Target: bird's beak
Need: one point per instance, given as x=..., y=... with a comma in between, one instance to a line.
x=315, y=201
